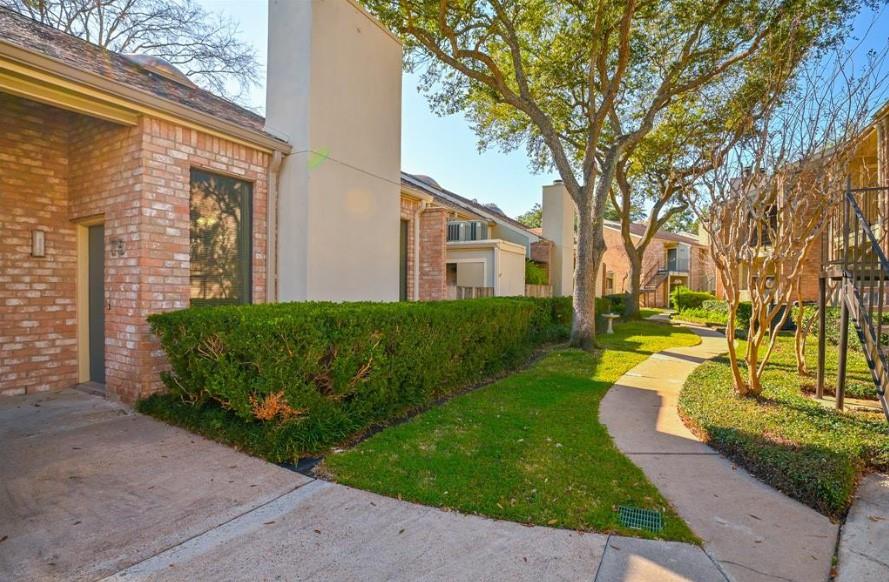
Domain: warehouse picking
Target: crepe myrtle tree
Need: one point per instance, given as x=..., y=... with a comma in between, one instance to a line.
x=548, y=75
x=764, y=207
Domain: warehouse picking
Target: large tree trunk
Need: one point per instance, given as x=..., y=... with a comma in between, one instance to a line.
x=583, y=330
x=634, y=289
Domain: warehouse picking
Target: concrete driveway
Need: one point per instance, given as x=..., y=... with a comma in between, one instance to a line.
x=90, y=490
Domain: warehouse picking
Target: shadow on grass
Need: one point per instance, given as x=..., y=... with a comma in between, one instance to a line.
x=812, y=453
x=820, y=477
x=527, y=448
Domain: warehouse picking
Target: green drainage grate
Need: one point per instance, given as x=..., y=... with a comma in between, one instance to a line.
x=637, y=518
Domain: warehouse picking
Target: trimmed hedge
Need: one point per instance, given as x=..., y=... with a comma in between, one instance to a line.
x=300, y=377
x=684, y=298
x=714, y=311
x=715, y=305
x=703, y=316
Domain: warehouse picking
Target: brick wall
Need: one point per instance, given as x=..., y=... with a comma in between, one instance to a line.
x=169, y=152
x=57, y=168
x=883, y=151
x=615, y=260
x=433, y=254
x=105, y=180
x=38, y=333
x=811, y=269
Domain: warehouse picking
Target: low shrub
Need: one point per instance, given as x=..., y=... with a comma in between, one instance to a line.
x=618, y=302
x=715, y=305
x=703, y=316
x=300, y=377
x=832, y=328
x=603, y=305
x=684, y=298
x=742, y=318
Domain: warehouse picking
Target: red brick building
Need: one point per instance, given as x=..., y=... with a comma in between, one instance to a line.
x=125, y=191
x=457, y=238
x=670, y=260
x=129, y=191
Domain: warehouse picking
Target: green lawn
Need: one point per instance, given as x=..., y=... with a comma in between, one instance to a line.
x=528, y=448
x=810, y=452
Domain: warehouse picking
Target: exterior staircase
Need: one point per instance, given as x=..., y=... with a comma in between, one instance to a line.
x=856, y=261
x=653, y=279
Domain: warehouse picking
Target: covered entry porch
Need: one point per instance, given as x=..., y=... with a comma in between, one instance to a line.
x=67, y=266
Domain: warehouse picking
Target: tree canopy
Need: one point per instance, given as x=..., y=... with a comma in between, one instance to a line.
x=580, y=83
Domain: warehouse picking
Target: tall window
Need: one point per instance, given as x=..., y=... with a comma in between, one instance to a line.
x=221, y=239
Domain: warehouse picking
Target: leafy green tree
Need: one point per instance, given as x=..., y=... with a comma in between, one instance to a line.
x=533, y=218
x=682, y=221
x=580, y=83
x=663, y=166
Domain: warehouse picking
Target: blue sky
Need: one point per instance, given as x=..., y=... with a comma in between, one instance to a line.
x=445, y=147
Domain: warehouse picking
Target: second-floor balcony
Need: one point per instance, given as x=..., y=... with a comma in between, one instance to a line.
x=467, y=230
x=678, y=259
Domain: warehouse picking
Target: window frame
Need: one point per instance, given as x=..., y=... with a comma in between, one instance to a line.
x=245, y=241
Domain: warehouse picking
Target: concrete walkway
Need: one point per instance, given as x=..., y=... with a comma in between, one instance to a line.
x=864, y=541
x=90, y=490
x=753, y=531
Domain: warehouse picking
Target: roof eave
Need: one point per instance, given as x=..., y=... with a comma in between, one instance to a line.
x=478, y=211
x=141, y=101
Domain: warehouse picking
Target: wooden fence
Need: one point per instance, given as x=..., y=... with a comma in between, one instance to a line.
x=472, y=292
x=538, y=290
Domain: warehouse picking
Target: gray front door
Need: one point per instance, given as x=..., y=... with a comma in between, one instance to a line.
x=402, y=262
x=97, y=302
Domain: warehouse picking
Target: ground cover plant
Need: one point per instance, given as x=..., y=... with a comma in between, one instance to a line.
x=528, y=448
x=714, y=313
x=702, y=316
x=285, y=380
x=810, y=452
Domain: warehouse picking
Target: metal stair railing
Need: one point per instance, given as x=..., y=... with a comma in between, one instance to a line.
x=652, y=280
x=857, y=250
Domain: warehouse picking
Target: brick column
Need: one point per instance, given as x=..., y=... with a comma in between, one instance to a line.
x=433, y=254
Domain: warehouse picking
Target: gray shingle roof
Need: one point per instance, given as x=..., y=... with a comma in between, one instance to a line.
x=28, y=34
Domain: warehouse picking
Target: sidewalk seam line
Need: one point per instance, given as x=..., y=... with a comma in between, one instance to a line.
x=602, y=559
x=208, y=530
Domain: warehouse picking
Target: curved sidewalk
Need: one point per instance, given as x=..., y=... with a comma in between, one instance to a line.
x=751, y=530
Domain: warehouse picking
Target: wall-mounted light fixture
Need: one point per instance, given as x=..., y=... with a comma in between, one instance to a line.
x=38, y=243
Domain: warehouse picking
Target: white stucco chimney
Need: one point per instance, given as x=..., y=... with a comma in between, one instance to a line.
x=558, y=226
x=333, y=91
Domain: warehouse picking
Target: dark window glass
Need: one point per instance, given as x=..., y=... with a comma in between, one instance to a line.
x=220, y=239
